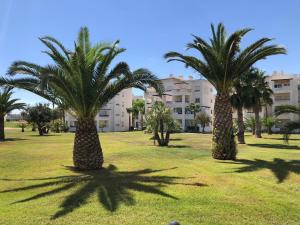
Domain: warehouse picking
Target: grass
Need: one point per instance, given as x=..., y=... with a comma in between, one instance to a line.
x=12, y=124
x=144, y=184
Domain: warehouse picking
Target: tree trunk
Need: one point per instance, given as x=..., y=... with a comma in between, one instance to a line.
x=2, y=135
x=203, y=129
x=257, y=122
x=224, y=146
x=142, y=121
x=195, y=126
x=87, y=152
x=240, y=123
x=167, y=138
x=129, y=122
x=41, y=130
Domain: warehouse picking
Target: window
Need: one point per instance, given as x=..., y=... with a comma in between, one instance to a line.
x=197, y=88
x=282, y=96
x=178, y=98
x=197, y=100
x=187, y=99
x=178, y=110
x=103, y=113
x=277, y=85
x=169, y=88
x=281, y=83
x=122, y=123
x=117, y=104
x=117, y=114
x=117, y=124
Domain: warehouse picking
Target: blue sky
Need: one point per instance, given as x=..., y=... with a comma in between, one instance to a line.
x=147, y=29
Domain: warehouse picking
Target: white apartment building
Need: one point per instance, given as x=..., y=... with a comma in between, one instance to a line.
x=179, y=93
x=286, y=92
x=112, y=117
x=286, y=89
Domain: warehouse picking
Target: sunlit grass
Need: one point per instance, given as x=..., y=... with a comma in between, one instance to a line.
x=144, y=184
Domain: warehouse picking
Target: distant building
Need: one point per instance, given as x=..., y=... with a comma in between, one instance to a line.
x=286, y=89
x=179, y=93
x=13, y=117
x=286, y=92
x=112, y=117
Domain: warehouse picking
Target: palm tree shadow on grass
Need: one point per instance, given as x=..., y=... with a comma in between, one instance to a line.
x=111, y=186
x=280, y=168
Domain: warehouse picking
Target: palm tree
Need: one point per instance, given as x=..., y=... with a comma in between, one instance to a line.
x=268, y=122
x=138, y=106
x=7, y=104
x=291, y=125
x=259, y=94
x=250, y=123
x=129, y=111
x=83, y=80
x=160, y=122
x=239, y=99
x=221, y=64
x=194, y=109
x=203, y=119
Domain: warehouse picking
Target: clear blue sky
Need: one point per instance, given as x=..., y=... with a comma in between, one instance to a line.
x=147, y=29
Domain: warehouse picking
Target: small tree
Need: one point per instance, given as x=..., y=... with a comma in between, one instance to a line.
x=203, y=119
x=250, y=123
x=160, y=122
x=7, y=104
x=138, y=107
x=102, y=125
x=194, y=109
x=269, y=122
x=22, y=124
x=40, y=115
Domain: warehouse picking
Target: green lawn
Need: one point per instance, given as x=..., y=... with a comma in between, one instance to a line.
x=144, y=184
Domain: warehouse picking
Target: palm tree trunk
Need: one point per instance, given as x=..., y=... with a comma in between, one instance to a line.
x=240, y=123
x=257, y=122
x=129, y=121
x=223, y=139
x=2, y=135
x=142, y=121
x=87, y=152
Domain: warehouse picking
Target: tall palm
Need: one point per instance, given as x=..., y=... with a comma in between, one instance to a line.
x=291, y=125
x=259, y=94
x=239, y=98
x=194, y=109
x=223, y=62
x=82, y=80
x=7, y=104
x=129, y=111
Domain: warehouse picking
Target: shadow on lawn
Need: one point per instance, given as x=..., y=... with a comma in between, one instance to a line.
x=279, y=167
x=280, y=146
x=178, y=146
x=15, y=139
x=111, y=186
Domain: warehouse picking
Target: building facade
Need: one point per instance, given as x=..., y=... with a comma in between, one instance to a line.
x=286, y=91
x=179, y=93
x=112, y=117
